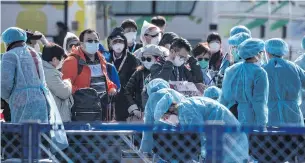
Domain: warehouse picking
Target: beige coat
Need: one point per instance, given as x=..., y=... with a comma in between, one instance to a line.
x=60, y=89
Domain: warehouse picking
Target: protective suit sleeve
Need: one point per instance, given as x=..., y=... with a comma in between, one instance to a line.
x=222, y=99
x=147, y=137
x=8, y=69
x=301, y=75
x=260, y=98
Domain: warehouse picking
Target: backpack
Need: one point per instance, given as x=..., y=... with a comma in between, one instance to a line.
x=87, y=105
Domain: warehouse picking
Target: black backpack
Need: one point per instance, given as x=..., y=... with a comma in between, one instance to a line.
x=87, y=105
x=87, y=108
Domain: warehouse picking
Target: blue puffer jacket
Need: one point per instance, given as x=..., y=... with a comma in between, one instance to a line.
x=114, y=76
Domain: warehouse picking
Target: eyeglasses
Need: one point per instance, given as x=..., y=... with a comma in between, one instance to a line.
x=200, y=59
x=148, y=59
x=91, y=41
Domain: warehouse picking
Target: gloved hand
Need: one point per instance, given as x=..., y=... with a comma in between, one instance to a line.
x=133, y=109
x=137, y=113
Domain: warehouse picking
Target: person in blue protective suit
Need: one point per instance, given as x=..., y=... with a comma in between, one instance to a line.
x=212, y=92
x=198, y=110
x=286, y=80
x=239, y=29
x=300, y=61
x=156, y=89
x=227, y=61
x=24, y=87
x=234, y=42
x=246, y=86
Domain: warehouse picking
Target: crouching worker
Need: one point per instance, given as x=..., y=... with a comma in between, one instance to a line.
x=198, y=110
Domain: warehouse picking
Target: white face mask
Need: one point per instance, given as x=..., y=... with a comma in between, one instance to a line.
x=59, y=66
x=118, y=48
x=171, y=119
x=131, y=37
x=155, y=40
x=178, y=61
x=148, y=65
x=37, y=47
x=214, y=47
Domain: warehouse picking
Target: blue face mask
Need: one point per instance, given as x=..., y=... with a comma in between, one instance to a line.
x=91, y=48
x=203, y=64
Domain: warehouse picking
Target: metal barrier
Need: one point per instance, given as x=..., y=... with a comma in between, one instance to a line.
x=98, y=142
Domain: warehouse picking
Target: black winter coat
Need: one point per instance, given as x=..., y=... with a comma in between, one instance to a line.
x=190, y=71
x=134, y=87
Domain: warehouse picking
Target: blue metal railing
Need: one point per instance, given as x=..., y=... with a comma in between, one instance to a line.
x=30, y=134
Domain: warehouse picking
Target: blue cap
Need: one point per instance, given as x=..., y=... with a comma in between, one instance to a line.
x=303, y=43
x=238, y=29
x=13, y=34
x=250, y=48
x=212, y=92
x=237, y=39
x=277, y=47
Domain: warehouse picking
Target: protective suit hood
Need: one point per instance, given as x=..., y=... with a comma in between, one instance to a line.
x=166, y=101
x=155, y=85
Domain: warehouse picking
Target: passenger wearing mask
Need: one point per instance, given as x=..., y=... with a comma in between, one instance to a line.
x=286, y=80
x=24, y=87
x=126, y=65
x=167, y=39
x=160, y=22
x=179, y=65
x=234, y=42
x=87, y=68
x=62, y=30
x=214, y=42
x=156, y=89
x=130, y=31
x=245, y=85
x=212, y=92
x=197, y=111
x=133, y=90
x=150, y=34
x=53, y=57
x=300, y=61
x=239, y=29
x=202, y=54
x=71, y=41
x=34, y=39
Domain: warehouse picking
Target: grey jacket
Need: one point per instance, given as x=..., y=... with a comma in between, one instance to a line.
x=60, y=89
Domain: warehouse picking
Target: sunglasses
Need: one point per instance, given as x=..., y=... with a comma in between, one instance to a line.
x=91, y=41
x=71, y=45
x=206, y=59
x=152, y=35
x=148, y=59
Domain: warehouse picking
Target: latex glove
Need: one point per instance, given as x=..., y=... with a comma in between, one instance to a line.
x=112, y=92
x=68, y=82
